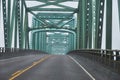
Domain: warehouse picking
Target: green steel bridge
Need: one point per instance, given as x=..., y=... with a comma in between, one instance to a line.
x=58, y=40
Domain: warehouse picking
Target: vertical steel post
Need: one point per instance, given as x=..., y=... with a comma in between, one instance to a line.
x=41, y=40
x=38, y=41
x=8, y=23
x=21, y=30
x=33, y=41
x=108, y=24
x=99, y=23
x=82, y=23
x=93, y=22
x=78, y=31
x=88, y=23
x=5, y=23
x=19, y=24
x=16, y=25
x=27, y=30
x=119, y=11
x=12, y=24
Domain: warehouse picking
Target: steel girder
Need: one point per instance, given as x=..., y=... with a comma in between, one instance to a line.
x=99, y=23
x=119, y=10
x=39, y=41
x=50, y=24
x=108, y=24
x=90, y=22
x=82, y=23
x=6, y=34
x=15, y=24
x=49, y=0
x=89, y=30
x=55, y=3
x=42, y=37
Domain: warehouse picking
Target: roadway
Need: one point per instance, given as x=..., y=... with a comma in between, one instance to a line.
x=48, y=67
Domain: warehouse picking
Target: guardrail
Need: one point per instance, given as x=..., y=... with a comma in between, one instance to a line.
x=13, y=52
x=109, y=58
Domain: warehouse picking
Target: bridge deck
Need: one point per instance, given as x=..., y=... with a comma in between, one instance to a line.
x=53, y=67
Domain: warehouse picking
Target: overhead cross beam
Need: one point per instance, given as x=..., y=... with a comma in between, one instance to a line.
x=48, y=3
x=66, y=17
x=53, y=3
x=43, y=20
x=52, y=9
x=49, y=0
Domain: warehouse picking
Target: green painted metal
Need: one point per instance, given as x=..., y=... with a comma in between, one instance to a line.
x=47, y=3
x=78, y=32
x=119, y=10
x=12, y=22
x=33, y=41
x=8, y=22
x=99, y=23
x=87, y=33
x=19, y=16
x=82, y=23
x=53, y=9
x=39, y=18
x=94, y=18
x=21, y=28
x=26, y=37
x=108, y=24
x=13, y=13
x=39, y=41
x=89, y=23
x=16, y=25
x=5, y=23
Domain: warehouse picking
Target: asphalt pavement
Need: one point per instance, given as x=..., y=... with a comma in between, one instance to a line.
x=46, y=67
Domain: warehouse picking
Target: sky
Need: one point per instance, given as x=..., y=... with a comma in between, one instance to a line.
x=115, y=32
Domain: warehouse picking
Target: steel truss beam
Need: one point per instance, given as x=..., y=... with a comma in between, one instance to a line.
x=48, y=3
x=6, y=34
x=108, y=24
x=88, y=32
x=119, y=11
x=88, y=24
x=82, y=23
x=15, y=23
x=99, y=23
x=48, y=0
x=42, y=20
x=51, y=9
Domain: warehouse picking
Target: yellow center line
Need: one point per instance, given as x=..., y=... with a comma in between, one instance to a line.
x=18, y=73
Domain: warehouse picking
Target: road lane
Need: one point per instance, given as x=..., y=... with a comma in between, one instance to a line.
x=20, y=72
x=57, y=67
x=99, y=71
x=10, y=66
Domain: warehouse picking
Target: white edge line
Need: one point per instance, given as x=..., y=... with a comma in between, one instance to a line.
x=83, y=68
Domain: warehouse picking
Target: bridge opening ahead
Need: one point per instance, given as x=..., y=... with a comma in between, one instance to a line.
x=52, y=31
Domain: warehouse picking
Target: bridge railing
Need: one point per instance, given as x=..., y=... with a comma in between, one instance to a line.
x=108, y=58
x=14, y=52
